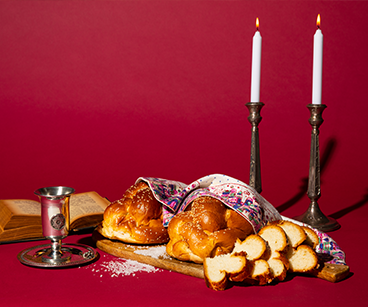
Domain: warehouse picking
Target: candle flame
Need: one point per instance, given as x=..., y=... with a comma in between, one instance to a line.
x=318, y=20
x=257, y=23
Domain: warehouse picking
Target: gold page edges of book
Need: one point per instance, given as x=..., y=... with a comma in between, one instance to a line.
x=20, y=219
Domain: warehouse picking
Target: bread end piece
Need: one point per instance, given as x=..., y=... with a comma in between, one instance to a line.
x=219, y=270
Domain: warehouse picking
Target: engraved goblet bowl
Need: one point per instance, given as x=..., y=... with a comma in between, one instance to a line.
x=55, y=221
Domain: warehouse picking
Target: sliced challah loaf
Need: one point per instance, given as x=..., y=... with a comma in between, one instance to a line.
x=279, y=247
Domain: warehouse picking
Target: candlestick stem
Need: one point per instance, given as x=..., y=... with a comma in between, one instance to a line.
x=255, y=164
x=314, y=216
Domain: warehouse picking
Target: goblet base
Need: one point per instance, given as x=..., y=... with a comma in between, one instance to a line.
x=75, y=254
x=51, y=256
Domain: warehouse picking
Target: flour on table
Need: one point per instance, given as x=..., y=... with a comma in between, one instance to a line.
x=157, y=252
x=121, y=267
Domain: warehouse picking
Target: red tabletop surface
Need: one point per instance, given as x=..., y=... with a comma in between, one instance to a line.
x=95, y=285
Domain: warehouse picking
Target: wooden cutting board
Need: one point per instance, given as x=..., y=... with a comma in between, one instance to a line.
x=131, y=251
x=330, y=272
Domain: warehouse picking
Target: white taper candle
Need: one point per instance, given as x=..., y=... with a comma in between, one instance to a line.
x=256, y=65
x=317, y=64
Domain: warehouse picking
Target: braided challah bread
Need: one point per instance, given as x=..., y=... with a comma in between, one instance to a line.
x=135, y=218
x=207, y=228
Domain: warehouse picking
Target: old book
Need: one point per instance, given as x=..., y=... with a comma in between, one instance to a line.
x=20, y=219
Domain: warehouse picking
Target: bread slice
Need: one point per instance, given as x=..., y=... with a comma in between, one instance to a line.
x=219, y=269
x=294, y=233
x=312, y=239
x=278, y=268
x=276, y=239
x=303, y=259
x=261, y=272
x=282, y=257
x=254, y=246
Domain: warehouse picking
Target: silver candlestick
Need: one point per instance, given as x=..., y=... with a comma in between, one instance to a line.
x=255, y=163
x=314, y=216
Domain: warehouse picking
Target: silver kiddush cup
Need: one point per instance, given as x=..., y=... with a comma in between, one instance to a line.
x=55, y=221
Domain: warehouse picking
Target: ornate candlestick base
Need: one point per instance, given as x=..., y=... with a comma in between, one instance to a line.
x=314, y=216
x=255, y=163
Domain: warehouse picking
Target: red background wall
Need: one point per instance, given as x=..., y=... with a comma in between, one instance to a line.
x=94, y=94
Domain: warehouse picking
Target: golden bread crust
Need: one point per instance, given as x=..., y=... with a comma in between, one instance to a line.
x=135, y=218
x=204, y=230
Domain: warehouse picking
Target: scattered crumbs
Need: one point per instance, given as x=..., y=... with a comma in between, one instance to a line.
x=154, y=252
x=122, y=267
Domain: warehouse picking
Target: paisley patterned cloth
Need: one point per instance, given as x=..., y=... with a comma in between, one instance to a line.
x=175, y=196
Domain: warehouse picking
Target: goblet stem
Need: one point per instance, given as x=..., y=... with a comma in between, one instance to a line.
x=56, y=249
x=55, y=254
